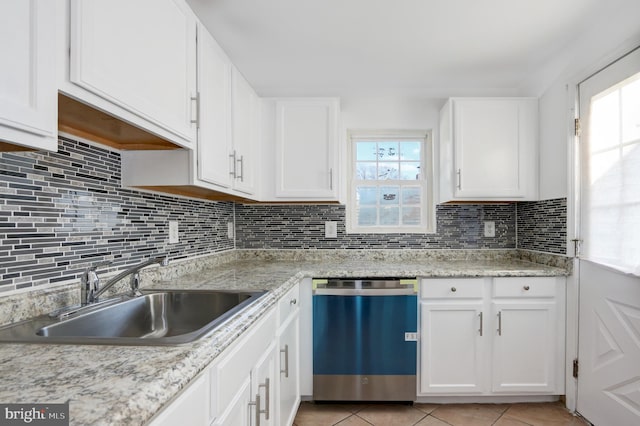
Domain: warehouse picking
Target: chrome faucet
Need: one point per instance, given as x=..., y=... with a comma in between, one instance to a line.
x=91, y=290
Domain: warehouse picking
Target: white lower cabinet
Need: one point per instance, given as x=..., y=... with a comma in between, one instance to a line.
x=492, y=336
x=254, y=382
x=289, y=368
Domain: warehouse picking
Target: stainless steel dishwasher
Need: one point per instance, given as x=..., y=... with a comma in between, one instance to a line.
x=364, y=339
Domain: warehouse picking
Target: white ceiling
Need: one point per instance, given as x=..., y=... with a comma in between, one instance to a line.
x=432, y=47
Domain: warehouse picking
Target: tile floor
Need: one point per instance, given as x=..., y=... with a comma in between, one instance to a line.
x=539, y=414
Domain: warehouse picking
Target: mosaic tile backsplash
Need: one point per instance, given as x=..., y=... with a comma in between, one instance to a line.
x=542, y=225
x=60, y=212
x=302, y=226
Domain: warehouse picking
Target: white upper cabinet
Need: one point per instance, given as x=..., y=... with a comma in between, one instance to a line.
x=489, y=149
x=300, y=141
x=28, y=95
x=246, y=120
x=139, y=57
x=214, y=132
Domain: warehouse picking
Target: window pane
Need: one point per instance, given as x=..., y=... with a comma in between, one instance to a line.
x=388, y=151
x=411, y=195
x=605, y=122
x=631, y=111
x=366, y=171
x=411, y=216
x=409, y=171
x=366, y=195
x=389, y=215
x=389, y=195
x=388, y=171
x=410, y=151
x=367, y=216
x=366, y=151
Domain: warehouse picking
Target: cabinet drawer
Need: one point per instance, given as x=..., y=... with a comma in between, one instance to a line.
x=289, y=303
x=525, y=287
x=455, y=288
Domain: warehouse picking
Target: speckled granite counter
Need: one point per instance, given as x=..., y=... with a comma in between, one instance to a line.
x=109, y=385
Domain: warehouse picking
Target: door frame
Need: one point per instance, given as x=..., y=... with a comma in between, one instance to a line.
x=573, y=208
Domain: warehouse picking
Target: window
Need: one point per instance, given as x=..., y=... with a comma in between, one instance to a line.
x=390, y=182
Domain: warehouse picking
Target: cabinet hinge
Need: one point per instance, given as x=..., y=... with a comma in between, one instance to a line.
x=575, y=368
x=576, y=246
x=576, y=127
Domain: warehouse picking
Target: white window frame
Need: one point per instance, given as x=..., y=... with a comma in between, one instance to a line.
x=426, y=180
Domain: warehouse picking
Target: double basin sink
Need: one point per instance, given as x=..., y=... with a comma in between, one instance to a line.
x=158, y=318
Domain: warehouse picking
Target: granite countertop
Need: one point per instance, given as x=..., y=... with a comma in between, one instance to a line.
x=117, y=385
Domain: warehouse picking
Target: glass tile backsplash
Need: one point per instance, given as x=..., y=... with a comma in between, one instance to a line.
x=60, y=212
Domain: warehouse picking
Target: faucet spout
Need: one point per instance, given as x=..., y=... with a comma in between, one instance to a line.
x=161, y=260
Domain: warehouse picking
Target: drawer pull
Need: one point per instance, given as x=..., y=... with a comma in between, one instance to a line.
x=453, y=289
x=293, y=301
x=526, y=288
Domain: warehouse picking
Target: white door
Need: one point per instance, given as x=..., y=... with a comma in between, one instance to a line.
x=524, y=348
x=289, y=388
x=28, y=93
x=452, y=348
x=140, y=55
x=245, y=117
x=263, y=383
x=609, y=265
x=214, y=133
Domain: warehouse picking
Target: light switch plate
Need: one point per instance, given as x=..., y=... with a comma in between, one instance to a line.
x=331, y=229
x=174, y=237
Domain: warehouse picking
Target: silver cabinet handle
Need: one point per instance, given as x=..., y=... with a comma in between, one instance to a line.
x=196, y=99
x=526, y=288
x=500, y=323
x=267, y=391
x=459, y=173
x=481, y=321
x=453, y=289
x=285, y=351
x=241, y=175
x=293, y=301
x=233, y=164
x=257, y=405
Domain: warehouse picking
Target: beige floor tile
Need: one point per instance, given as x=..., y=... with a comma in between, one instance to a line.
x=431, y=421
x=506, y=421
x=391, y=415
x=542, y=414
x=354, y=421
x=469, y=414
x=310, y=414
x=426, y=408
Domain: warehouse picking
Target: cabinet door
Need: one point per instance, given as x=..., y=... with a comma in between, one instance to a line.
x=263, y=383
x=524, y=349
x=306, y=135
x=289, y=367
x=214, y=135
x=139, y=55
x=451, y=347
x=238, y=411
x=494, y=147
x=28, y=92
x=189, y=408
x=245, y=133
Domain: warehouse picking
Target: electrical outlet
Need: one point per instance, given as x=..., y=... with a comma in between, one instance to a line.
x=230, y=230
x=174, y=237
x=410, y=337
x=489, y=228
x=331, y=229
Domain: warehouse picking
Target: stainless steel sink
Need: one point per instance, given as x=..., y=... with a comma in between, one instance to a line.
x=161, y=318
